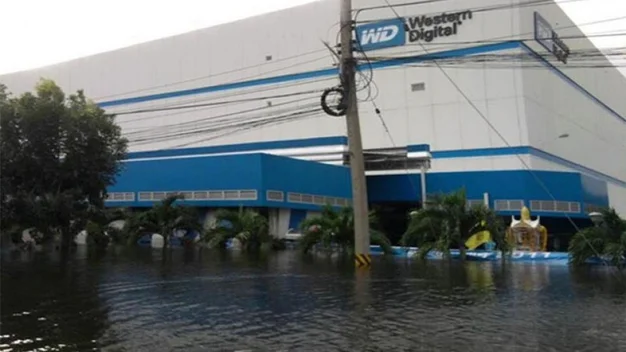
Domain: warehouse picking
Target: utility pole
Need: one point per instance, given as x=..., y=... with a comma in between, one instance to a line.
x=355, y=145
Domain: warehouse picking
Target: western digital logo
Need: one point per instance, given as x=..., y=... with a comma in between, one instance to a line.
x=383, y=34
x=380, y=35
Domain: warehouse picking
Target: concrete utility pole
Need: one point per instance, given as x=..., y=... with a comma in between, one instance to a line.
x=355, y=145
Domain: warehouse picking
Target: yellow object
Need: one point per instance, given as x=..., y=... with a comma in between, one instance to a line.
x=362, y=260
x=478, y=239
x=525, y=214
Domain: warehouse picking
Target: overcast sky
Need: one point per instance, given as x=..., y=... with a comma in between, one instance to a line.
x=41, y=32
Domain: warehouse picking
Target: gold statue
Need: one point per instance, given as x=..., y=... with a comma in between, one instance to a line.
x=527, y=234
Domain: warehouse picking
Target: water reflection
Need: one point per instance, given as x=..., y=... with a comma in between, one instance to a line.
x=136, y=300
x=51, y=304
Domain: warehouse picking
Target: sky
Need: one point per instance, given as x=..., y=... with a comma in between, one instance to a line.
x=37, y=33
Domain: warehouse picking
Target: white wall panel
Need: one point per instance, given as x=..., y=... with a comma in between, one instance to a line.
x=555, y=106
x=447, y=127
x=527, y=105
x=617, y=198
x=421, y=125
x=483, y=163
x=475, y=131
x=503, y=116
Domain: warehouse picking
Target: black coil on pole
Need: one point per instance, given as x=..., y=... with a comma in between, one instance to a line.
x=341, y=108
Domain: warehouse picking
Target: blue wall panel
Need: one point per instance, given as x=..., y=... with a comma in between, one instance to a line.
x=515, y=184
x=260, y=172
x=594, y=191
x=294, y=175
x=394, y=188
x=204, y=173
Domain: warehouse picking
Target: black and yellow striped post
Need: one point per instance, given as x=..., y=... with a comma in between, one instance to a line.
x=362, y=260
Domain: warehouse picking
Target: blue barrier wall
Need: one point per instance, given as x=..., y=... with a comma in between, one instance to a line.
x=504, y=185
x=515, y=184
x=198, y=173
x=306, y=177
x=260, y=172
x=594, y=191
x=263, y=172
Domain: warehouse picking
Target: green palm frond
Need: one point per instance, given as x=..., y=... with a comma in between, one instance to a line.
x=337, y=227
x=249, y=227
x=447, y=221
x=608, y=240
x=379, y=238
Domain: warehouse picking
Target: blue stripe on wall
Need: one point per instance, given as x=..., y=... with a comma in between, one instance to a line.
x=221, y=87
x=418, y=148
x=523, y=150
x=470, y=153
x=558, y=160
x=341, y=140
x=376, y=65
x=231, y=148
x=310, y=74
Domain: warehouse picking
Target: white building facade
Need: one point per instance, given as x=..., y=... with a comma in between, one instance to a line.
x=489, y=95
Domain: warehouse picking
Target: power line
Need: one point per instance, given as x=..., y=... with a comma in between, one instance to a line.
x=144, y=129
x=214, y=98
x=179, y=107
x=276, y=120
x=514, y=36
x=211, y=124
x=496, y=7
x=225, y=123
x=488, y=41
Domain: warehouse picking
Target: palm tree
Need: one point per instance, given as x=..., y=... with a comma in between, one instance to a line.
x=446, y=221
x=99, y=226
x=607, y=240
x=247, y=226
x=163, y=218
x=337, y=227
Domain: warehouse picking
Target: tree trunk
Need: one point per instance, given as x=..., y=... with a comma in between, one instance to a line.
x=66, y=238
x=463, y=251
x=166, y=240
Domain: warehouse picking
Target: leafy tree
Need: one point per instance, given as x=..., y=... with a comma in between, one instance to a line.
x=247, y=226
x=446, y=221
x=608, y=240
x=337, y=227
x=163, y=218
x=59, y=154
x=99, y=229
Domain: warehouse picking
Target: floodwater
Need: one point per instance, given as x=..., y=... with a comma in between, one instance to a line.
x=131, y=300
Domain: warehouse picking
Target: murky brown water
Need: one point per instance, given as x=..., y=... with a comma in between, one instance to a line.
x=131, y=301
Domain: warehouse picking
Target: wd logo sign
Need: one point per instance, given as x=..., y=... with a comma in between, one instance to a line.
x=379, y=35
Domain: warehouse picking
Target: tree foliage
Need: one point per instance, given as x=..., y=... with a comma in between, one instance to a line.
x=100, y=230
x=336, y=227
x=247, y=226
x=59, y=154
x=607, y=240
x=446, y=222
x=163, y=218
